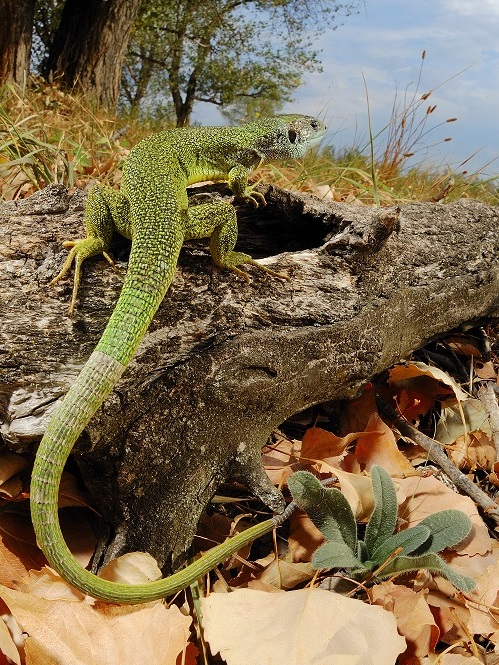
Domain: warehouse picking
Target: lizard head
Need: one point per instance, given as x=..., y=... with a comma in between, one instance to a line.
x=287, y=136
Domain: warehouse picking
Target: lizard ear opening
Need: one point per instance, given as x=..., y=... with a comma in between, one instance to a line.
x=292, y=135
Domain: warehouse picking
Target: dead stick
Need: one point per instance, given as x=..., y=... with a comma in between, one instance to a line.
x=488, y=398
x=438, y=456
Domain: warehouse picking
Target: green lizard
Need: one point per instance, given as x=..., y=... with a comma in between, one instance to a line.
x=151, y=209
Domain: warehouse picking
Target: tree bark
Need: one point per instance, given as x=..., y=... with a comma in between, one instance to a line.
x=16, y=28
x=225, y=362
x=89, y=46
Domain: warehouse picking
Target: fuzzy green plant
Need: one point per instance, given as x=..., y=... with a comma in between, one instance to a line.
x=382, y=553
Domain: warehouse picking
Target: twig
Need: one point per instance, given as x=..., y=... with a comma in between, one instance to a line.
x=488, y=398
x=438, y=456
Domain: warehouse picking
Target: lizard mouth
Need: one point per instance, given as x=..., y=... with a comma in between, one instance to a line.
x=316, y=140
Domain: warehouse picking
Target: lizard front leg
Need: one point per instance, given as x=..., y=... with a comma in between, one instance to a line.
x=238, y=182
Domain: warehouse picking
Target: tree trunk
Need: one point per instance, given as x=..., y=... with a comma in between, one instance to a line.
x=225, y=362
x=177, y=54
x=89, y=46
x=16, y=26
x=141, y=82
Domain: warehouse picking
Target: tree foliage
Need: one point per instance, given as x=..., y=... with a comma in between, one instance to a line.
x=244, y=56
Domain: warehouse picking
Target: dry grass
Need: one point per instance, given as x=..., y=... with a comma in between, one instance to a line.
x=48, y=135
x=349, y=179
x=350, y=176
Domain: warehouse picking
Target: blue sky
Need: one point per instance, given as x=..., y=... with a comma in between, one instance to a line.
x=384, y=42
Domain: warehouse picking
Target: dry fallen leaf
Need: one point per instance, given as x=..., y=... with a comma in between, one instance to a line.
x=12, y=488
x=319, y=445
x=377, y=445
x=7, y=645
x=74, y=633
x=416, y=369
x=11, y=568
x=450, y=616
x=215, y=529
x=452, y=659
x=481, y=619
x=284, y=574
x=451, y=426
x=414, y=618
x=189, y=657
x=71, y=493
x=358, y=491
x=465, y=429
x=356, y=413
x=78, y=534
x=281, y=459
x=304, y=537
x=473, y=566
x=416, y=399
x=311, y=626
x=10, y=465
x=475, y=450
x=18, y=552
x=48, y=584
x=132, y=568
x=486, y=370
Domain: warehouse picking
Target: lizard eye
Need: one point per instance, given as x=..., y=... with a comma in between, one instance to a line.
x=314, y=124
x=292, y=135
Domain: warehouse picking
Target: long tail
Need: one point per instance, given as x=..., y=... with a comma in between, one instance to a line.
x=149, y=275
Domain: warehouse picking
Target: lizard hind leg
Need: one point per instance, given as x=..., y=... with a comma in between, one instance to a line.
x=99, y=222
x=82, y=249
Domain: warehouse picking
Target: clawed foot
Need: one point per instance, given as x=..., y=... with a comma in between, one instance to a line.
x=81, y=249
x=269, y=271
x=238, y=258
x=252, y=196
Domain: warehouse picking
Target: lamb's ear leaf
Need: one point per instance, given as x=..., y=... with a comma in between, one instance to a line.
x=327, y=508
x=334, y=555
x=362, y=553
x=405, y=564
x=409, y=540
x=383, y=520
x=448, y=528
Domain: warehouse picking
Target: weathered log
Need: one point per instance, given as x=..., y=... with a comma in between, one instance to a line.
x=225, y=362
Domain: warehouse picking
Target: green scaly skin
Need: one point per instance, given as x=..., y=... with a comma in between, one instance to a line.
x=151, y=209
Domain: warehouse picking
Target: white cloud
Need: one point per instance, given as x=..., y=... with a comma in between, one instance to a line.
x=484, y=9
x=385, y=43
